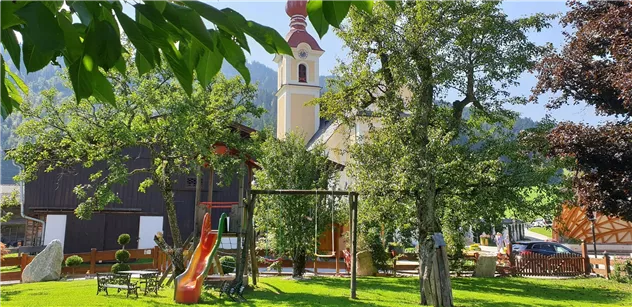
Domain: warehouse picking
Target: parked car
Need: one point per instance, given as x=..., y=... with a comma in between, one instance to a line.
x=541, y=247
x=540, y=222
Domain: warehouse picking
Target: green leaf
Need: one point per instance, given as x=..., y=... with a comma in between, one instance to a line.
x=142, y=64
x=156, y=19
x=191, y=22
x=102, y=88
x=10, y=43
x=81, y=77
x=336, y=11
x=103, y=44
x=209, y=65
x=14, y=94
x=106, y=15
x=7, y=16
x=41, y=26
x=74, y=48
x=158, y=5
x=234, y=55
x=392, y=4
x=316, y=17
x=53, y=6
x=137, y=38
x=179, y=68
x=7, y=104
x=121, y=66
x=35, y=58
x=18, y=81
x=366, y=6
x=220, y=19
x=87, y=11
x=267, y=37
x=191, y=52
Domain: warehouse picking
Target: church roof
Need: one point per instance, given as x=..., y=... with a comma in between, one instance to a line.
x=325, y=131
x=297, y=36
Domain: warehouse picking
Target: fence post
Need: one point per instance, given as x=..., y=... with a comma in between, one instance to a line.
x=23, y=263
x=93, y=261
x=587, y=266
x=606, y=257
x=154, y=255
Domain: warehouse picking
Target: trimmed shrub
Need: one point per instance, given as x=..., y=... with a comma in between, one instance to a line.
x=123, y=239
x=117, y=267
x=228, y=264
x=73, y=261
x=121, y=255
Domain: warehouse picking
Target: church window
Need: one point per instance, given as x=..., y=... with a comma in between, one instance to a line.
x=302, y=73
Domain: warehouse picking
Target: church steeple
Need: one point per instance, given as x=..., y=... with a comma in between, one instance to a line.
x=298, y=76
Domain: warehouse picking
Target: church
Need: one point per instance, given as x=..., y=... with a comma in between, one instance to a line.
x=299, y=83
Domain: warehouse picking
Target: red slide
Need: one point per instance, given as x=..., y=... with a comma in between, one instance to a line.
x=189, y=284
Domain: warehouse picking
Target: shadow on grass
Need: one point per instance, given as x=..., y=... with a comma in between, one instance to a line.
x=6, y=295
x=366, y=283
x=273, y=296
x=528, y=289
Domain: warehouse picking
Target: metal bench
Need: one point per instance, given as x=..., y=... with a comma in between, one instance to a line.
x=119, y=282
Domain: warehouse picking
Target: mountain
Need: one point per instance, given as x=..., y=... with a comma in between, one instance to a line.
x=262, y=76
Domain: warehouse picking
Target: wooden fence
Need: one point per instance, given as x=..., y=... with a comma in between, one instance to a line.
x=555, y=265
x=93, y=262
x=604, y=266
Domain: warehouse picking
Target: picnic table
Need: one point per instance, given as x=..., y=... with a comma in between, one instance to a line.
x=148, y=277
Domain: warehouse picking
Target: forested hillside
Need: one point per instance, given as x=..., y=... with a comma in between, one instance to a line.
x=262, y=75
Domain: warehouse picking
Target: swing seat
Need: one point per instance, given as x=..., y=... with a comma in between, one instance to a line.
x=271, y=261
x=332, y=255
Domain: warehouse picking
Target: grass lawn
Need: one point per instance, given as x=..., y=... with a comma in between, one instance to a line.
x=543, y=231
x=372, y=291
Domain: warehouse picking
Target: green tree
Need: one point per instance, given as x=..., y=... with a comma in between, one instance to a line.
x=425, y=152
x=179, y=132
x=287, y=164
x=6, y=203
x=173, y=31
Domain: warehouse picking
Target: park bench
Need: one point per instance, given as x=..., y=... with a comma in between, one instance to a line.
x=119, y=282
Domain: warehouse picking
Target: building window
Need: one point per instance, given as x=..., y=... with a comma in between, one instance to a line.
x=192, y=181
x=302, y=73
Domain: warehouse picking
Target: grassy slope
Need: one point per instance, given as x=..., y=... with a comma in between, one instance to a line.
x=542, y=230
x=490, y=292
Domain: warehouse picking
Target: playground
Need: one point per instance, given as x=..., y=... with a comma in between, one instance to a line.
x=325, y=291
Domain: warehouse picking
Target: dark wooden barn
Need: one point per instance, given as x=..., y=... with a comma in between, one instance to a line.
x=50, y=198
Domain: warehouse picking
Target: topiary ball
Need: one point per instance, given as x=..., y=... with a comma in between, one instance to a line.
x=117, y=267
x=73, y=261
x=228, y=264
x=121, y=255
x=123, y=239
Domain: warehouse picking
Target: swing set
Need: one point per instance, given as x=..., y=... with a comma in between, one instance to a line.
x=353, y=219
x=333, y=253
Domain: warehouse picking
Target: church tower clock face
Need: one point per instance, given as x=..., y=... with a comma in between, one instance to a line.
x=302, y=54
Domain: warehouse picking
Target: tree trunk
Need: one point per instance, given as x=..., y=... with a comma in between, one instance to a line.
x=299, y=258
x=166, y=188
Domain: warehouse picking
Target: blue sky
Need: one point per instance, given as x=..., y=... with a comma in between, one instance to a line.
x=273, y=14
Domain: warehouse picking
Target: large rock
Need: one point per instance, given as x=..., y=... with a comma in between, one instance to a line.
x=485, y=266
x=46, y=265
x=364, y=264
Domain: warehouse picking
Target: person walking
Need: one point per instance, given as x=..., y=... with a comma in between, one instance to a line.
x=499, y=242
